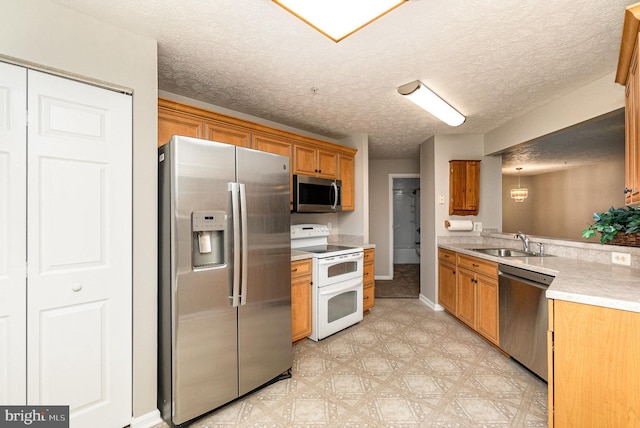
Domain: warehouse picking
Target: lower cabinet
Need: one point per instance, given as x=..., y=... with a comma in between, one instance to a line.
x=594, y=355
x=368, y=294
x=301, y=299
x=447, y=280
x=468, y=289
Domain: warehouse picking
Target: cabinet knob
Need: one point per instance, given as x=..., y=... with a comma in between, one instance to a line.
x=76, y=287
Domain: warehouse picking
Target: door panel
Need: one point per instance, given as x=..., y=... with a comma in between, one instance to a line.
x=13, y=231
x=79, y=250
x=264, y=322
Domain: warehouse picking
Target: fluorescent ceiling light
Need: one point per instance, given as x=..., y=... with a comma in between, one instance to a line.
x=337, y=19
x=426, y=99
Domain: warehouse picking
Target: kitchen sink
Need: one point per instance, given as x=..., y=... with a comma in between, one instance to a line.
x=508, y=252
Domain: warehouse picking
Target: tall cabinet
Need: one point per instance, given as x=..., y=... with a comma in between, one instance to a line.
x=628, y=76
x=65, y=246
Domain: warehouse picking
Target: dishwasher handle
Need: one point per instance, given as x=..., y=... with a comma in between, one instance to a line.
x=523, y=280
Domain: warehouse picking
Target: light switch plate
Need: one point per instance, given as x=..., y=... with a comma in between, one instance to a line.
x=621, y=258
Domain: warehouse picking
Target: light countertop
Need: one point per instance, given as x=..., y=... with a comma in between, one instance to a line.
x=598, y=284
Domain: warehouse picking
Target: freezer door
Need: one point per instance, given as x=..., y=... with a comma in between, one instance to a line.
x=264, y=315
x=204, y=323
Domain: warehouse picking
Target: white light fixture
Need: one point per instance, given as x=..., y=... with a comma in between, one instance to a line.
x=428, y=100
x=519, y=194
x=338, y=19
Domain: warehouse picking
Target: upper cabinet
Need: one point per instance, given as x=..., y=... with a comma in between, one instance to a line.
x=627, y=75
x=307, y=156
x=464, y=187
x=314, y=161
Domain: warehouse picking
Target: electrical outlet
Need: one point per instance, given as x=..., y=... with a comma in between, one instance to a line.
x=621, y=258
x=329, y=225
x=477, y=226
x=441, y=200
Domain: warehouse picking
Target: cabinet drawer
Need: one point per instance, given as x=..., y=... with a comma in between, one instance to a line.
x=368, y=255
x=478, y=265
x=447, y=256
x=300, y=268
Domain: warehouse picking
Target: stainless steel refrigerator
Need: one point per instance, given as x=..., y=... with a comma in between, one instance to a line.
x=223, y=274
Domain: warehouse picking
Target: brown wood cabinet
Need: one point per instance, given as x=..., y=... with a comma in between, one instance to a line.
x=468, y=289
x=307, y=156
x=478, y=298
x=369, y=280
x=593, y=366
x=464, y=187
x=301, y=299
x=346, y=170
x=628, y=76
x=314, y=161
x=447, y=280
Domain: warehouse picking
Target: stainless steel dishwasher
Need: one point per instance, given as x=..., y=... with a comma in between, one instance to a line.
x=524, y=316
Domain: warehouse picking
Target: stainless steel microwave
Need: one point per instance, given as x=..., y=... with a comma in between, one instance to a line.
x=316, y=195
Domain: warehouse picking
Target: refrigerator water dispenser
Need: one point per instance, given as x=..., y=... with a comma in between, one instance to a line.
x=208, y=232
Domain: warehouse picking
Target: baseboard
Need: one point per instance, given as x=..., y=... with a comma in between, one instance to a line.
x=383, y=278
x=429, y=303
x=147, y=421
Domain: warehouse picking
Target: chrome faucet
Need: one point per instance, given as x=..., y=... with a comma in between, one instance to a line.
x=525, y=240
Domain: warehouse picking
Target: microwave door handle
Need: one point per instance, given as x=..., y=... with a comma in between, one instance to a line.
x=235, y=293
x=245, y=247
x=335, y=194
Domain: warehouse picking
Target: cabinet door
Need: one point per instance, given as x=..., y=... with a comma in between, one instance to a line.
x=487, y=309
x=466, y=304
x=347, y=176
x=304, y=160
x=447, y=286
x=595, y=366
x=368, y=281
x=301, y=298
x=171, y=123
x=632, y=128
x=229, y=134
x=300, y=307
x=464, y=187
x=327, y=163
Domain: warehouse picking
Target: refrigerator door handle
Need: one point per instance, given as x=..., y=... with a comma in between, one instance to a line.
x=235, y=210
x=245, y=246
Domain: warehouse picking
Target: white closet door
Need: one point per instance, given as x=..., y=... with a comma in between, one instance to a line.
x=79, y=250
x=13, y=234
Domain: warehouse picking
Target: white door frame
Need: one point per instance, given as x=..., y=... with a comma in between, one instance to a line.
x=391, y=177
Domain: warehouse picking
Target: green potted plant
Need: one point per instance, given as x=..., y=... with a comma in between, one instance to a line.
x=619, y=226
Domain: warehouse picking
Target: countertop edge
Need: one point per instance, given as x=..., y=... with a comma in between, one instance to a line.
x=575, y=280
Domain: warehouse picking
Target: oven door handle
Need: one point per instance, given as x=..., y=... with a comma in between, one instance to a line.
x=330, y=290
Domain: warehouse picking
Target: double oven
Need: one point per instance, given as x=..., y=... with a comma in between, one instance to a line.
x=336, y=280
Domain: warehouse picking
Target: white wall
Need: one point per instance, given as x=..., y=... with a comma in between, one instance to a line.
x=379, y=171
x=435, y=157
x=56, y=38
x=356, y=223
x=592, y=100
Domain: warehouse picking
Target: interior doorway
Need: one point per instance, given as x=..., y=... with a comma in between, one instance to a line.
x=404, y=237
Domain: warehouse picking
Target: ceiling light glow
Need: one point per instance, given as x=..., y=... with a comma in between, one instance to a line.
x=426, y=99
x=338, y=19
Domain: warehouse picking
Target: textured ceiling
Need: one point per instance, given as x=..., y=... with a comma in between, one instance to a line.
x=492, y=60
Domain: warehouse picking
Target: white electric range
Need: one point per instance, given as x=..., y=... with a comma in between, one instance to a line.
x=336, y=279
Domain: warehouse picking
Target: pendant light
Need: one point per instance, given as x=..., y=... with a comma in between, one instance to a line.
x=519, y=194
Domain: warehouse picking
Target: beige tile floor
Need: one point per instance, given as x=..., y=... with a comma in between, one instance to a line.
x=404, y=365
